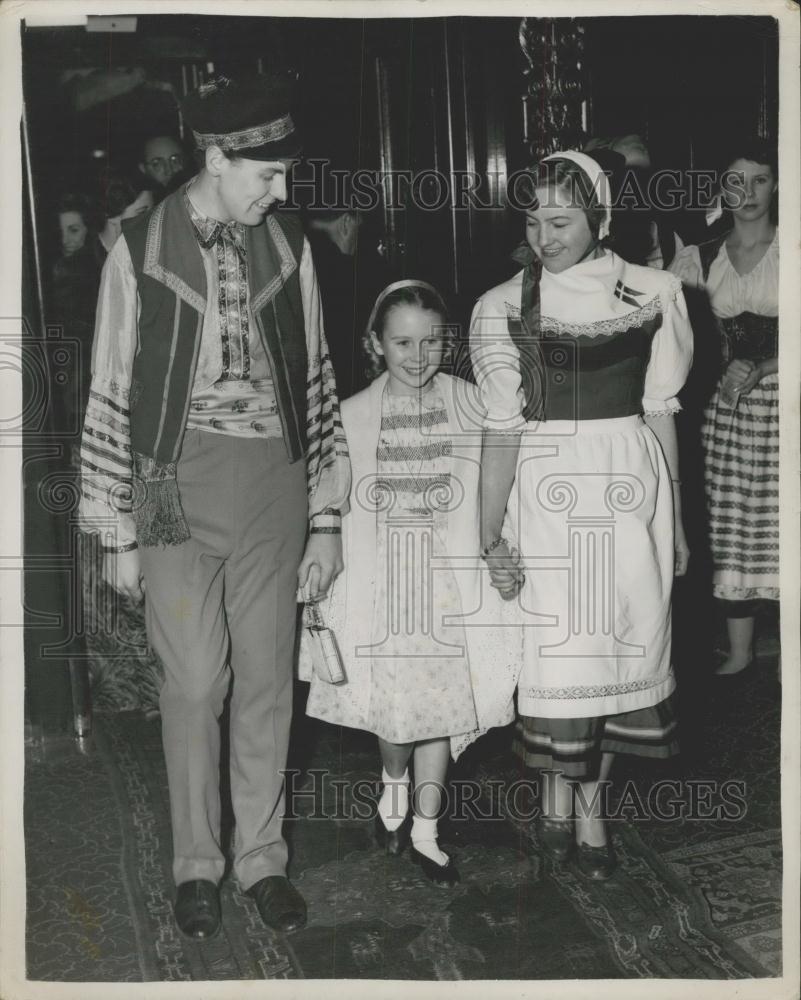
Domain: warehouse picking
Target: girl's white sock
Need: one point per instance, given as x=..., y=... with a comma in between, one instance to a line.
x=394, y=802
x=424, y=838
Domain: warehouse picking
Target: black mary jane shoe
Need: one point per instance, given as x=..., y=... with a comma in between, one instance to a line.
x=446, y=875
x=596, y=863
x=280, y=905
x=394, y=842
x=197, y=909
x=556, y=837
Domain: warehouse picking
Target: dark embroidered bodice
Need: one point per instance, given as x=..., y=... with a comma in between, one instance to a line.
x=594, y=376
x=749, y=337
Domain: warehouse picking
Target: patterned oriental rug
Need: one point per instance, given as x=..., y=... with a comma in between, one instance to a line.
x=99, y=905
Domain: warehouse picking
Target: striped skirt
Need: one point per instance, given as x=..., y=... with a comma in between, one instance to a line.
x=575, y=746
x=741, y=448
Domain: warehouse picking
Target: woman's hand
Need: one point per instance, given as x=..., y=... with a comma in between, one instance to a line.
x=756, y=375
x=739, y=379
x=506, y=575
x=681, y=549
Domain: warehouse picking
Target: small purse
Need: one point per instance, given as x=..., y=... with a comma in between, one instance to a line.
x=325, y=655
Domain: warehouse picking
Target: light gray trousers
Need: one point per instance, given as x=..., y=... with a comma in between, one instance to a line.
x=223, y=604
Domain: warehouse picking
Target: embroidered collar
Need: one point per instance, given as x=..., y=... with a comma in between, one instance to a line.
x=208, y=231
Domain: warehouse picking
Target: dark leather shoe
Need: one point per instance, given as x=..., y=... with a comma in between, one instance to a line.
x=446, y=875
x=280, y=905
x=197, y=909
x=556, y=837
x=393, y=841
x=596, y=863
x=737, y=675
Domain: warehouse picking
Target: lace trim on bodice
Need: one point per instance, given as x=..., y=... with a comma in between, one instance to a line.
x=604, y=327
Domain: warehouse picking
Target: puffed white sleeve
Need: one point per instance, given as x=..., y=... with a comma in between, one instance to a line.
x=671, y=354
x=686, y=266
x=496, y=366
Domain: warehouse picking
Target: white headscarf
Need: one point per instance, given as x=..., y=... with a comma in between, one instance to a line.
x=599, y=180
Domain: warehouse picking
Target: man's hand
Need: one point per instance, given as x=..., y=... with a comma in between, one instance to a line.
x=321, y=562
x=123, y=572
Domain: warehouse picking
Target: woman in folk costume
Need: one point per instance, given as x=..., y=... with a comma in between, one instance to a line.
x=429, y=664
x=579, y=358
x=740, y=273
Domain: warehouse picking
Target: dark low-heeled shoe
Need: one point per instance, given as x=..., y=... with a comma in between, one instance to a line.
x=596, y=863
x=738, y=675
x=556, y=837
x=446, y=875
x=197, y=909
x=279, y=903
x=394, y=842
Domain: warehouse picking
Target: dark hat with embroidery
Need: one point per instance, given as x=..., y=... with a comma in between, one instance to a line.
x=249, y=117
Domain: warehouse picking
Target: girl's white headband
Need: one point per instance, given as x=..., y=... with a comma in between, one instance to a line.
x=404, y=283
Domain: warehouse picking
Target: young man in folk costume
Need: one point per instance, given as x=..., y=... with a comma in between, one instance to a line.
x=212, y=454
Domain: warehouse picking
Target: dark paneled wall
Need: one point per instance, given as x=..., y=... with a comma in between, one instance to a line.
x=418, y=95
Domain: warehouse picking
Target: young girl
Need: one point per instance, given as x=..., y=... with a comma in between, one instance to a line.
x=428, y=662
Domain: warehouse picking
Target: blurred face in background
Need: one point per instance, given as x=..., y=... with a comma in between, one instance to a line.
x=748, y=189
x=142, y=203
x=162, y=158
x=73, y=232
x=633, y=149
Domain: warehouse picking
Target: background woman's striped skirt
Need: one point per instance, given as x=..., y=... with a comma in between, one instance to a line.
x=742, y=487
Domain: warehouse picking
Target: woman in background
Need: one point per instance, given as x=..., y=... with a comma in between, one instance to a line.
x=74, y=287
x=123, y=199
x=740, y=273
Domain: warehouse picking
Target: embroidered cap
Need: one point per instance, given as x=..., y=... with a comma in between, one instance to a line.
x=248, y=116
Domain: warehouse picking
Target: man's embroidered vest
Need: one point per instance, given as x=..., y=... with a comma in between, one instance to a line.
x=171, y=282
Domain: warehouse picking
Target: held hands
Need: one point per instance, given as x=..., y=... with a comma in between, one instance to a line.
x=739, y=379
x=123, y=572
x=322, y=561
x=506, y=574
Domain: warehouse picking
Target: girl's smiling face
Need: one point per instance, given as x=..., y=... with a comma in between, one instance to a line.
x=412, y=343
x=557, y=230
